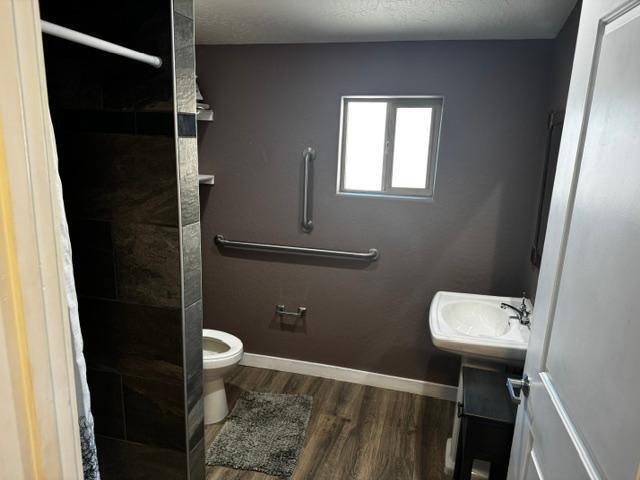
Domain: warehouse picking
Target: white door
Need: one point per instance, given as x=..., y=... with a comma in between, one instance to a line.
x=581, y=418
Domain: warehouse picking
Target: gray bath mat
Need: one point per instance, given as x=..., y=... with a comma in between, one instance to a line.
x=263, y=433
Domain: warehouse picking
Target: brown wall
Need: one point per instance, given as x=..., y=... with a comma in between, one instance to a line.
x=563, y=48
x=271, y=101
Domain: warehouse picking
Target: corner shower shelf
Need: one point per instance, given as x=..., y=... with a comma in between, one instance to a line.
x=206, y=179
x=204, y=113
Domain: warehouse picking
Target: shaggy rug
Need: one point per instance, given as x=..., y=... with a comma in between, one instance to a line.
x=264, y=433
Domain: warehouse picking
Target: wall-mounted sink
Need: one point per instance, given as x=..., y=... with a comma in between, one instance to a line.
x=476, y=326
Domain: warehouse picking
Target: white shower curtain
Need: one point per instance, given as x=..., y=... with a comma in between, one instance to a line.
x=85, y=419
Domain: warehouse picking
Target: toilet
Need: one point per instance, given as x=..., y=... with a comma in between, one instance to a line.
x=221, y=353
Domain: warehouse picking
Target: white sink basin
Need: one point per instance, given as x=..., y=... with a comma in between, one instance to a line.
x=476, y=326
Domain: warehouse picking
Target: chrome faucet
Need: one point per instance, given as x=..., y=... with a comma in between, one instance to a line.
x=522, y=314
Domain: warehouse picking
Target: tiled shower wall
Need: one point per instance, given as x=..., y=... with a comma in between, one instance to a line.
x=184, y=46
x=128, y=160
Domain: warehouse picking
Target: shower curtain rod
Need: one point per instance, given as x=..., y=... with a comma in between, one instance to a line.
x=93, y=42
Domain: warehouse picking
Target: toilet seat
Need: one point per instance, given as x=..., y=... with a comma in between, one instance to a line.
x=230, y=356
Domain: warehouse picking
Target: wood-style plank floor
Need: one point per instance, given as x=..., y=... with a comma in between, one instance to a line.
x=355, y=431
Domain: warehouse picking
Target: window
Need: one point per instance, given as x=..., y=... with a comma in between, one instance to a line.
x=389, y=145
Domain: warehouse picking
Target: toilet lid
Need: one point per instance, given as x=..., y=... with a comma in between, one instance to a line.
x=233, y=342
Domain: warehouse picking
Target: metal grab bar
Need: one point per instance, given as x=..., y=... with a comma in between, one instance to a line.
x=308, y=155
x=372, y=255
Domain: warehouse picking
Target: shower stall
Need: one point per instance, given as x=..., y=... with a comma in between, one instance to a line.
x=121, y=86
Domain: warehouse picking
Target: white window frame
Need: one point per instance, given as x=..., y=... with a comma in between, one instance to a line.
x=435, y=103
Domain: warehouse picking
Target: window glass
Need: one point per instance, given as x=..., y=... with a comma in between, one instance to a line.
x=411, y=148
x=389, y=145
x=364, y=146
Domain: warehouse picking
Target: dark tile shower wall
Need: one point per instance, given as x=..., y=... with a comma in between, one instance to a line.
x=189, y=232
x=128, y=160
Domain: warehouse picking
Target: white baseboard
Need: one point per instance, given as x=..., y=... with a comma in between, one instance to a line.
x=419, y=387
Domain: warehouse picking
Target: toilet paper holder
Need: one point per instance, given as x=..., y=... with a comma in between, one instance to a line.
x=282, y=311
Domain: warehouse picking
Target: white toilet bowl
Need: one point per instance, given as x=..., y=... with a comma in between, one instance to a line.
x=221, y=353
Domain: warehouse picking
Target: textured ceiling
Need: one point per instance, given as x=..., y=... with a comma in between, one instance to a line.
x=306, y=21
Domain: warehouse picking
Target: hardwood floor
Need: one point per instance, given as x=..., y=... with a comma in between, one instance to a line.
x=355, y=431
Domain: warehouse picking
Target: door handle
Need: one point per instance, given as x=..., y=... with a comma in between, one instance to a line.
x=523, y=385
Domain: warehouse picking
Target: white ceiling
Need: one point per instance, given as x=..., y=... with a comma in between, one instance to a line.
x=309, y=21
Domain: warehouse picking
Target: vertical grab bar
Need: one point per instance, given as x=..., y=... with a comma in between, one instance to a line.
x=555, y=119
x=307, y=224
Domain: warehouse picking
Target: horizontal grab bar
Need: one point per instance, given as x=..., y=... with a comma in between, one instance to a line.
x=371, y=255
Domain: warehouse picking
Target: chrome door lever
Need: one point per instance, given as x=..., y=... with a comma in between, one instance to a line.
x=523, y=385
